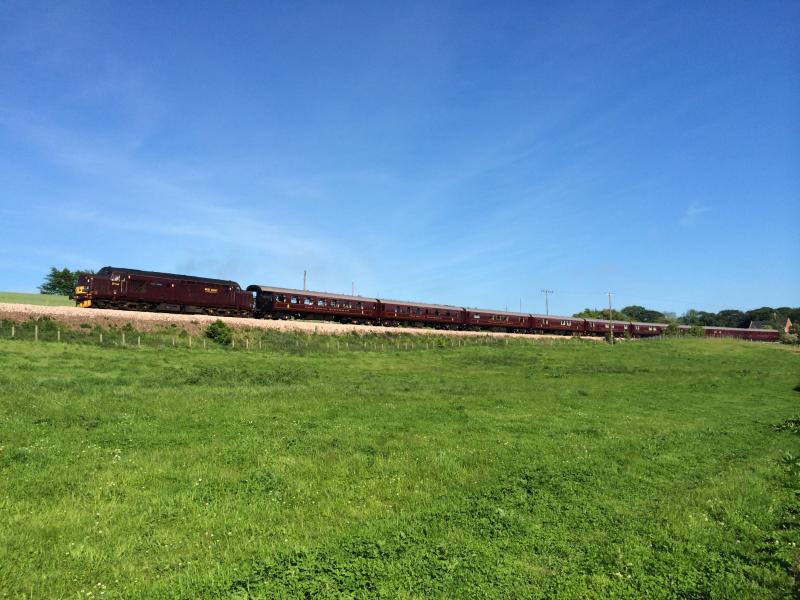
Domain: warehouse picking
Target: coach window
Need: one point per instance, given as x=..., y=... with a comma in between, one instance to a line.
x=333, y=304
x=294, y=299
x=320, y=302
x=308, y=301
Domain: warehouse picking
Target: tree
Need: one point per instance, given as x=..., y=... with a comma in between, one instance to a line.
x=643, y=315
x=731, y=318
x=62, y=282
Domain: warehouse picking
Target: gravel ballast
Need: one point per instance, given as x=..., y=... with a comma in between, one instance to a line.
x=148, y=321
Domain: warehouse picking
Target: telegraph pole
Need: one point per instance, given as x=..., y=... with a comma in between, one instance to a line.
x=546, y=293
x=610, y=323
x=305, y=280
x=352, y=288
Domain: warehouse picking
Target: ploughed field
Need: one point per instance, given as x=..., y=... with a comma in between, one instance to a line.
x=659, y=469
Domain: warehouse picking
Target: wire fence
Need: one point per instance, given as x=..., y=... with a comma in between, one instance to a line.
x=44, y=330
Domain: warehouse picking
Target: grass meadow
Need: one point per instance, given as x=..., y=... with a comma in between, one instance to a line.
x=38, y=299
x=657, y=469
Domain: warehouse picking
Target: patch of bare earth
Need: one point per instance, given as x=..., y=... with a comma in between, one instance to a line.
x=148, y=321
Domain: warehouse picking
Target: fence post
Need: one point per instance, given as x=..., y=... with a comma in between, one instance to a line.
x=259, y=343
x=233, y=343
x=204, y=343
x=173, y=340
x=101, y=338
x=35, y=333
x=123, y=338
x=190, y=341
x=13, y=331
x=247, y=343
x=139, y=341
x=58, y=334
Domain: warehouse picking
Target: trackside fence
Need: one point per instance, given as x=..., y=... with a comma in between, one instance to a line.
x=45, y=330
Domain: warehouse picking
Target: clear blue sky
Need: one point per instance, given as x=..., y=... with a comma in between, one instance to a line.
x=469, y=153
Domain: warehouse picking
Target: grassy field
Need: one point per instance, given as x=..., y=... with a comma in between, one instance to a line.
x=658, y=469
x=39, y=299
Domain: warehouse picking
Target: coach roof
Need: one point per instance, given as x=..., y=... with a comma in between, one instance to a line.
x=267, y=289
x=420, y=304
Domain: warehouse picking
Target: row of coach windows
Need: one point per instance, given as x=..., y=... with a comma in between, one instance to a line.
x=320, y=302
x=414, y=310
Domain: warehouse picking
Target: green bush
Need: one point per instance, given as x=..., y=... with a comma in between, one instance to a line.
x=696, y=331
x=219, y=332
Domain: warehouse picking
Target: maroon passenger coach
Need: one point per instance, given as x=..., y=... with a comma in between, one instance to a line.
x=282, y=303
x=496, y=320
x=130, y=289
x=601, y=327
x=399, y=312
x=761, y=335
x=554, y=323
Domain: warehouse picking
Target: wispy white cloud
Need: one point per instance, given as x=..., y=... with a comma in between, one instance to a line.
x=692, y=213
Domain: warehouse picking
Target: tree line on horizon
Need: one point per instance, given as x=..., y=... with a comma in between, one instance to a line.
x=774, y=318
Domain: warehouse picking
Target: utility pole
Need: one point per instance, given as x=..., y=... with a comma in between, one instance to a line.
x=305, y=280
x=546, y=293
x=610, y=323
x=520, y=305
x=352, y=288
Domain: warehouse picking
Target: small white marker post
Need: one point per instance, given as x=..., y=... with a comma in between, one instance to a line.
x=58, y=334
x=123, y=338
x=35, y=333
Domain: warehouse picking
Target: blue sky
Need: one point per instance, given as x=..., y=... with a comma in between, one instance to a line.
x=469, y=153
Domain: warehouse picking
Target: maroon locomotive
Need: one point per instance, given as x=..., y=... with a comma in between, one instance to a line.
x=130, y=289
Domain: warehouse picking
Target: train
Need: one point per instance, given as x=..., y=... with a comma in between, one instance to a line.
x=132, y=289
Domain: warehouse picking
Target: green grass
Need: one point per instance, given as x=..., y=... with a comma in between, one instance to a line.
x=658, y=469
x=39, y=299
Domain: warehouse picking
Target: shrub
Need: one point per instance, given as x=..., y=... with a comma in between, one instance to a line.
x=696, y=331
x=219, y=332
x=790, y=338
x=672, y=330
